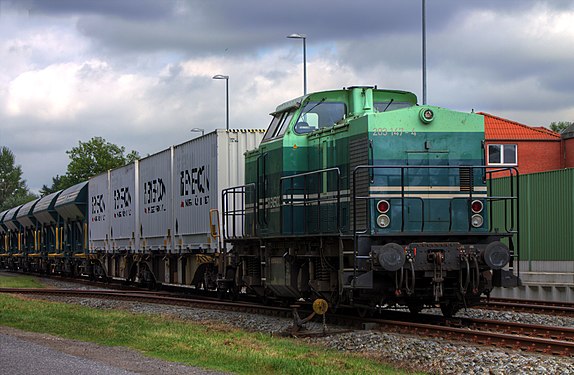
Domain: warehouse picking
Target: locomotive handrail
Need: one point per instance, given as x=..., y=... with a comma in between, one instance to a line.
x=261, y=181
x=512, y=198
x=306, y=200
x=234, y=211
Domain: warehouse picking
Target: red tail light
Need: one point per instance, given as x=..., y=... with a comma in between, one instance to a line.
x=383, y=206
x=476, y=206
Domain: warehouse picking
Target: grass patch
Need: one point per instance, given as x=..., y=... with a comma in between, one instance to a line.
x=19, y=281
x=230, y=350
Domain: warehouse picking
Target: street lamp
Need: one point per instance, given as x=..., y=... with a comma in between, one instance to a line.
x=198, y=130
x=304, y=37
x=424, y=27
x=226, y=78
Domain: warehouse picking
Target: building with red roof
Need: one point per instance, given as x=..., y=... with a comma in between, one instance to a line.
x=568, y=138
x=529, y=149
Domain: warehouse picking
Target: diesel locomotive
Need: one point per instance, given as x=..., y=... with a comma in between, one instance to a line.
x=358, y=196
x=362, y=197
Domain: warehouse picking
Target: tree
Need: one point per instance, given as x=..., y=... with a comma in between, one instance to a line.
x=56, y=183
x=560, y=126
x=89, y=159
x=13, y=189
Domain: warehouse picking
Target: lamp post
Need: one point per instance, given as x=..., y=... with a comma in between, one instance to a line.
x=226, y=78
x=198, y=130
x=424, y=26
x=304, y=37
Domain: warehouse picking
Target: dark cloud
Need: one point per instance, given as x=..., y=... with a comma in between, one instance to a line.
x=165, y=53
x=125, y=9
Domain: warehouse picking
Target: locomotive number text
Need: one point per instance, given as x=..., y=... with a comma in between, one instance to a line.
x=384, y=132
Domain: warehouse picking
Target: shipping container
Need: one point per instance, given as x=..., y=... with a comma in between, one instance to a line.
x=98, y=212
x=202, y=168
x=155, y=203
x=123, y=211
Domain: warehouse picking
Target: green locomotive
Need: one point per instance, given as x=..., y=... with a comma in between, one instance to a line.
x=364, y=198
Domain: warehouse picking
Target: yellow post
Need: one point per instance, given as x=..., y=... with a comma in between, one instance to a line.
x=85, y=236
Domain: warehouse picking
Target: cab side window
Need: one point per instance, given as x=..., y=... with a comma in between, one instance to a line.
x=316, y=115
x=278, y=125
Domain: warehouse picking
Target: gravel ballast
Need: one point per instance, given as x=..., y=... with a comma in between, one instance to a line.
x=427, y=355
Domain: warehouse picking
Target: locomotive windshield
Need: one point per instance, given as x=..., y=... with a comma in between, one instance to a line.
x=320, y=114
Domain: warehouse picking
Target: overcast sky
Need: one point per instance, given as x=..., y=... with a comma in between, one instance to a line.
x=139, y=72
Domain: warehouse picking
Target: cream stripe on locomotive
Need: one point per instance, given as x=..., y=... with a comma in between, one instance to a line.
x=426, y=196
x=424, y=188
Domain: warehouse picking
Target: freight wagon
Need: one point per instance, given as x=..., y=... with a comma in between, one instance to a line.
x=152, y=221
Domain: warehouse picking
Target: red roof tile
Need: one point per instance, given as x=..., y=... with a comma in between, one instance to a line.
x=499, y=128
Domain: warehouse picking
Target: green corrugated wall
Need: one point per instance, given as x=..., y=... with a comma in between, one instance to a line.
x=546, y=214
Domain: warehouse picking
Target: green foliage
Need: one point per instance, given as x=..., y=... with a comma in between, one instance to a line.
x=13, y=189
x=560, y=126
x=89, y=159
x=56, y=183
x=205, y=344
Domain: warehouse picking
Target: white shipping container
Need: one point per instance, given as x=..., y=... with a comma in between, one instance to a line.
x=155, y=203
x=123, y=210
x=202, y=168
x=98, y=212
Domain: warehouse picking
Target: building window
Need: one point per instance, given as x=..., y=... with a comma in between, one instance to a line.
x=502, y=155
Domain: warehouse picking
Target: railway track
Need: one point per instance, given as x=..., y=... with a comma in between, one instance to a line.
x=530, y=306
x=156, y=298
x=493, y=333
x=526, y=337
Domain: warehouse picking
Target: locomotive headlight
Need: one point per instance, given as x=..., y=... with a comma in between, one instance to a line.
x=426, y=115
x=383, y=221
x=476, y=221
